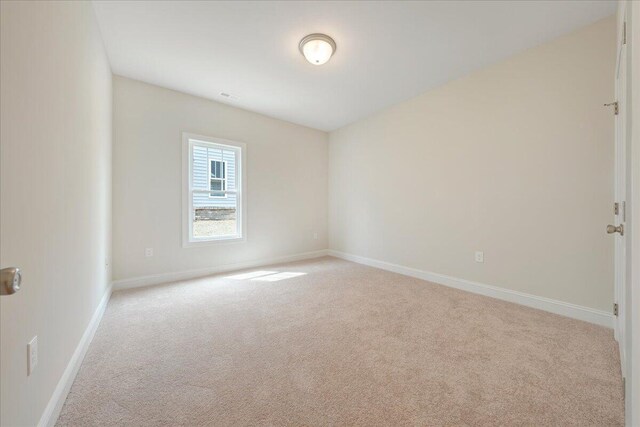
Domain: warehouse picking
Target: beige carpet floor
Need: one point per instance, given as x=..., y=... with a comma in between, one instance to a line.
x=340, y=344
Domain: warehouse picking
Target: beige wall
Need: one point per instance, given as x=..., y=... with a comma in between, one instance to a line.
x=286, y=182
x=515, y=160
x=55, y=206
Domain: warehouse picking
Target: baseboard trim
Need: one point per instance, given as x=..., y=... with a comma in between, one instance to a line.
x=52, y=411
x=586, y=314
x=158, y=279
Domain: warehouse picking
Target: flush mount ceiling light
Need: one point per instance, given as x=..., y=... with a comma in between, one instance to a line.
x=317, y=48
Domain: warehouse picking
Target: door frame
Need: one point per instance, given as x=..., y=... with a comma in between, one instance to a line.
x=632, y=392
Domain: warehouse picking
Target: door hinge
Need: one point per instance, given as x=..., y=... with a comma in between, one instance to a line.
x=615, y=107
x=615, y=308
x=619, y=208
x=624, y=32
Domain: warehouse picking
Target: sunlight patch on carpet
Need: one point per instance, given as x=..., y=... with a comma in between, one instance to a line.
x=278, y=276
x=251, y=275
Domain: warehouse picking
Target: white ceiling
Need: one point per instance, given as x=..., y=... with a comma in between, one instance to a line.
x=387, y=51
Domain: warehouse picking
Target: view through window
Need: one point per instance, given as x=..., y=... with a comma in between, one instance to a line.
x=214, y=191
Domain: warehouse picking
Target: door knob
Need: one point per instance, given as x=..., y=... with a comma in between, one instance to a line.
x=613, y=229
x=10, y=279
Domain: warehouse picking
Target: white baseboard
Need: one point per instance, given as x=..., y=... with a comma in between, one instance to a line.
x=586, y=314
x=157, y=279
x=52, y=411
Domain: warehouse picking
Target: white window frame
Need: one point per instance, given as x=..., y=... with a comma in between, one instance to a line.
x=223, y=180
x=188, y=141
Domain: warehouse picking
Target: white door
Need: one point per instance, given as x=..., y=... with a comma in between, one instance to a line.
x=620, y=195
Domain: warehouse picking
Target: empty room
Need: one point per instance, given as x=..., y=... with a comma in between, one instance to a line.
x=319, y=213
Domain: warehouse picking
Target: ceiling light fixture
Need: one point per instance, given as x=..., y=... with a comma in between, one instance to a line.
x=317, y=48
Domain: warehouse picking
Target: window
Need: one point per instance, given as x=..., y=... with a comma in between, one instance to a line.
x=213, y=190
x=217, y=178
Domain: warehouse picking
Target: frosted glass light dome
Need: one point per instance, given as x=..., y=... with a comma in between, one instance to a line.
x=317, y=48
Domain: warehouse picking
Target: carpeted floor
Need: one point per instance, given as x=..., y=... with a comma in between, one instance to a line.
x=341, y=344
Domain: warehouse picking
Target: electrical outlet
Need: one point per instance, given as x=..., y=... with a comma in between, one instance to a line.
x=32, y=355
x=148, y=252
x=315, y=236
x=479, y=256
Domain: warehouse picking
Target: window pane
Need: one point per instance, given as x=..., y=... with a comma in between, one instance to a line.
x=214, y=219
x=217, y=169
x=216, y=186
x=199, y=168
x=229, y=172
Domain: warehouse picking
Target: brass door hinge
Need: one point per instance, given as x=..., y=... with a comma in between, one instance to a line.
x=615, y=107
x=615, y=309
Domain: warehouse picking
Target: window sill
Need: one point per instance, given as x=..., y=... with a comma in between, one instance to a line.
x=214, y=241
